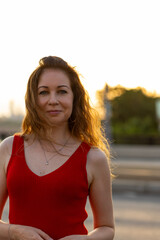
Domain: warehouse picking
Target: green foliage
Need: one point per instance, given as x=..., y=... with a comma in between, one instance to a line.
x=134, y=126
x=133, y=112
x=132, y=103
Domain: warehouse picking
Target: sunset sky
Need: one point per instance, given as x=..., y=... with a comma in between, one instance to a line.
x=114, y=42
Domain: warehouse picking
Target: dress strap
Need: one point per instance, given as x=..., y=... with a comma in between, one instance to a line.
x=17, y=149
x=18, y=145
x=85, y=147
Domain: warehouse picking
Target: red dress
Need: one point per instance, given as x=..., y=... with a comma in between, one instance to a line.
x=54, y=203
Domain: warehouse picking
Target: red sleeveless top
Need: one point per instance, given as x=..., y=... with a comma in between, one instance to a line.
x=54, y=203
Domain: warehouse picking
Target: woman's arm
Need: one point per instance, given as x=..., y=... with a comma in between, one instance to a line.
x=100, y=196
x=7, y=231
x=4, y=158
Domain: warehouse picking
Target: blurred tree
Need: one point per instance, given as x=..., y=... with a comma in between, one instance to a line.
x=133, y=111
x=133, y=103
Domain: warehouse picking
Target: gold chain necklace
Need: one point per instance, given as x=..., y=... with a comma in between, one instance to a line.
x=57, y=151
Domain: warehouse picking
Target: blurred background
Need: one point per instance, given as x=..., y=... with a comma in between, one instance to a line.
x=115, y=47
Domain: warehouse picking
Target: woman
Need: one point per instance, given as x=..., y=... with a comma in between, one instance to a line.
x=58, y=159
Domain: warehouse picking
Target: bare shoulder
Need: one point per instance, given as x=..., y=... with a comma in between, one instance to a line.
x=97, y=157
x=6, y=150
x=6, y=144
x=97, y=164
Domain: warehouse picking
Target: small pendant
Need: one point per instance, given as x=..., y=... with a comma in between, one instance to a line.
x=46, y=163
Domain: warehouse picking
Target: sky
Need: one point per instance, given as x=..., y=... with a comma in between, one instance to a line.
x=114, y=42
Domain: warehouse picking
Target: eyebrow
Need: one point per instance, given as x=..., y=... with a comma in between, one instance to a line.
x=57, y=87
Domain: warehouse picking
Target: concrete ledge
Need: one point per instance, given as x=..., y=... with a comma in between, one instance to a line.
x=135, y=151
x=141, y=187
x=131, y=169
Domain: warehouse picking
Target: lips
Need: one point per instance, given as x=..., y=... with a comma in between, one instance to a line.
x=54, y=112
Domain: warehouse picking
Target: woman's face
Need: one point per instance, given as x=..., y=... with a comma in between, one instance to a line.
x=55, y=96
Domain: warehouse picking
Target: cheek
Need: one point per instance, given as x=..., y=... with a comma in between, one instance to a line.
x=41, y=101
x=69, y=104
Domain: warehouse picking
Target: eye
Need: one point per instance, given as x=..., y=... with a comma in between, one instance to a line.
x=44, y=92
x=62, y=91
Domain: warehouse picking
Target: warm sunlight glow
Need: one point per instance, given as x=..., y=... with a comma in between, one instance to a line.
x=114, y=42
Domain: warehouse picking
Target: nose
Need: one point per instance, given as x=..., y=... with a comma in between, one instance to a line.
x=53, y=100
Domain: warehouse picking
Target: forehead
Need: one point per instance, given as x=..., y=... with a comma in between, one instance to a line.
x=54, y=76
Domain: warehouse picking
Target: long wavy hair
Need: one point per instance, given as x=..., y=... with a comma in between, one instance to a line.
x=84, y=122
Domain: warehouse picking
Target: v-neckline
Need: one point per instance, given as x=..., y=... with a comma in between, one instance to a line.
x=54, y=171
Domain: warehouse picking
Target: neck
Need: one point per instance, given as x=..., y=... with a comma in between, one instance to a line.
x=57, y=134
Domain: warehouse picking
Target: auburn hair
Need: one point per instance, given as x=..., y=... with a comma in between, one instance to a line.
x=84, y=122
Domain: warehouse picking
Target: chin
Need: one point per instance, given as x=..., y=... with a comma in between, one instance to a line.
x=58, y=123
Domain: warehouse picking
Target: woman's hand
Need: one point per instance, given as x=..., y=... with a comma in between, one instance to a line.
x=19, y=232
x=75, y=237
